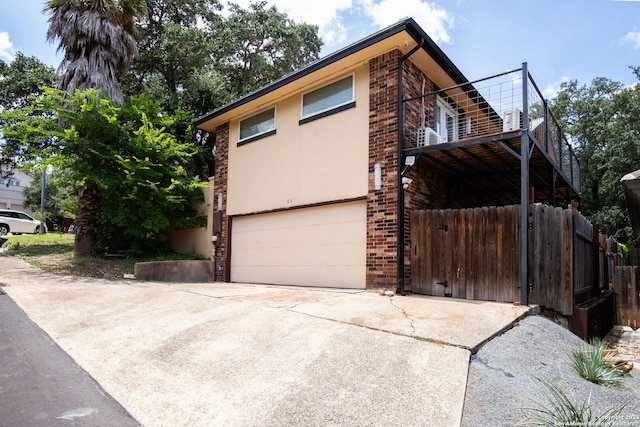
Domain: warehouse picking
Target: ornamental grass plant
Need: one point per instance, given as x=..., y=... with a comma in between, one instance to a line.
x=560, y=410
x=593, y=363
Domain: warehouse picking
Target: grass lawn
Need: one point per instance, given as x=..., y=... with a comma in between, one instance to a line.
x=53, y=252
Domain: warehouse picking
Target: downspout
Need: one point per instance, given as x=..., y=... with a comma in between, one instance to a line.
x=524, y=191
x=400, y=197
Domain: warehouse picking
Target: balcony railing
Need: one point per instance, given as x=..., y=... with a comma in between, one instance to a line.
x=487, y=107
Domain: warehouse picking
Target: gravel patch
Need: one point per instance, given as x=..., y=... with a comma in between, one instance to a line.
x=503, y=377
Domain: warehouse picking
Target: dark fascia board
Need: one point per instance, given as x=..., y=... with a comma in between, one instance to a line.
x=408, y=25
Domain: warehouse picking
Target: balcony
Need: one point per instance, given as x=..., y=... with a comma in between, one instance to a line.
x=474, y=133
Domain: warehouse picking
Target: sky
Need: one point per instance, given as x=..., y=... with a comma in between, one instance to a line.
x=559, y=39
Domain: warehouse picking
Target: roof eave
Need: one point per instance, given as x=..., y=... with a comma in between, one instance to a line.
x=408, y=25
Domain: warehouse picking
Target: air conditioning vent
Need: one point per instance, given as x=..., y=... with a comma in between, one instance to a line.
x=512, y=120
x=427, y=136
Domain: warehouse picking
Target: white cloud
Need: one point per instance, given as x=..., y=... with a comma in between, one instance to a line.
x=322, y=13
x=435, y=20
x=632, y=37
x=6, y=47
x=553, y=88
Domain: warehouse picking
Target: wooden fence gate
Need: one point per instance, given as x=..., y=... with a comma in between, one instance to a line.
x=467, y=253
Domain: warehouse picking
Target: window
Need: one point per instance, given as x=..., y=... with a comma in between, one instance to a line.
x=258, y=126
x=446, y=122
x=329, y=99
x=11, y=182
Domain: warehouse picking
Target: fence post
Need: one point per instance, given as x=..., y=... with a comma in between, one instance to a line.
x=596, y=257
x=524, y=191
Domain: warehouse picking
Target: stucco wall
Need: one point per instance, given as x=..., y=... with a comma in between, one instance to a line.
x=320, y=161
x=197, y=240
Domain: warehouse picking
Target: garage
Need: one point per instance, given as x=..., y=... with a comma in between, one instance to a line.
x=320, y=246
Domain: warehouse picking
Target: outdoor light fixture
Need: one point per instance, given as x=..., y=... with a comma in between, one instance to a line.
x=406, y=182
x=219, y=202
x=377, y=176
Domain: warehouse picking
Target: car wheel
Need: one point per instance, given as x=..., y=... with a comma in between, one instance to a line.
x=4, y=229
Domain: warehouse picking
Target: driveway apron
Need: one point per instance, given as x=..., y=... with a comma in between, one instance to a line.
x=255, y=355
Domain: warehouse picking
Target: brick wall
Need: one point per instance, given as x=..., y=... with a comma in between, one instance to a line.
x=220, y=186
x=381, y=204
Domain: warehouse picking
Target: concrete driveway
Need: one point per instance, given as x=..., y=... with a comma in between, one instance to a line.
x=252, y=355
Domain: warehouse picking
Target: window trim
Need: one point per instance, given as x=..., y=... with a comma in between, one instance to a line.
x=441, y=122
x=331, y=110
x=248, y=139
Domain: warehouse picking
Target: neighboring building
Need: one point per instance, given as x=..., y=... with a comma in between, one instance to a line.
x=631, y=186
x=311, y=169
x=11, y=192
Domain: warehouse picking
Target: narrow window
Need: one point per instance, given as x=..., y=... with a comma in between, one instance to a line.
x=328, y=99
x=258, y=126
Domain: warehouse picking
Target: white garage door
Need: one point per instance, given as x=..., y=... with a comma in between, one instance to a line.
x=321, y=246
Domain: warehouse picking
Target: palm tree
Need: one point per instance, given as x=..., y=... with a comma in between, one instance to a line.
x=98, y=38
x=99, y=44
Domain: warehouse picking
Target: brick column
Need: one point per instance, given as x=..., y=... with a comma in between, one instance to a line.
x=381, y=204
x=220, y=187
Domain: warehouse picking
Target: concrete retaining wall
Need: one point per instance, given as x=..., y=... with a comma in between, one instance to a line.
x=175, y=271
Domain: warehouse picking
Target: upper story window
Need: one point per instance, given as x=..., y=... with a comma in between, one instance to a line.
x=446, y=122
x=336, y=96
x=258, y=126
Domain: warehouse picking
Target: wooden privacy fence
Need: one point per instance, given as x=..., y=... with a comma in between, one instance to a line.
x=475, y=254
x=627, y=290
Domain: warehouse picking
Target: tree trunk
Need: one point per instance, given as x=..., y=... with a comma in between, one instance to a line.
x=85, y=238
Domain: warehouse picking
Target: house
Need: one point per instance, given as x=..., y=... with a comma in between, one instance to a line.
x=631, y=186
x=11, y=192
x=316, y=180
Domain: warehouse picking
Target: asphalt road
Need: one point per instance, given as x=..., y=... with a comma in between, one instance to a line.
x=40, y=385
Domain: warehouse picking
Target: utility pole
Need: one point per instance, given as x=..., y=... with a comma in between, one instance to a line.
x=42, y=198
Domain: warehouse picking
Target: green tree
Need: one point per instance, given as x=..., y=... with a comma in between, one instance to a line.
x=128, y=158
x=20, y=79
x=98, y=40
x=603, y=121
x=60, y=200
x=175, y=43
x=259, y=45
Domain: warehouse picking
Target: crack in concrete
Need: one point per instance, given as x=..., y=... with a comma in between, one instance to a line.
x=413, y=329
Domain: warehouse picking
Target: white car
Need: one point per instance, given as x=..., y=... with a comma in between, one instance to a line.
x=16, y=222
